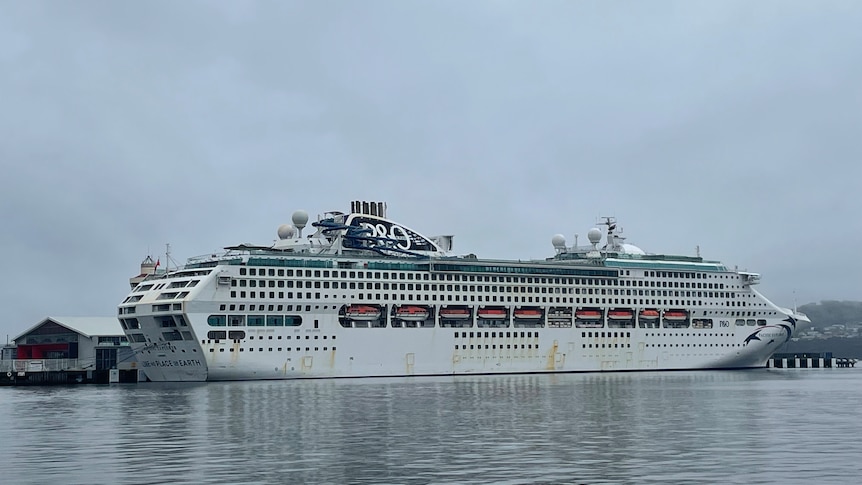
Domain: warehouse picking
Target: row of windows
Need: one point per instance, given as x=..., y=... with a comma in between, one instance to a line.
x=413, y=297
x=184, y=284
x=269, y=308
x=689, y=335
x=254, y=320
x=279, y=349
x=353, y=275
x=750, y=322
x=158, y=286
x=240, y=335
x=694, y=345
x=494, y=334
x=494, y=347
x=472, y=288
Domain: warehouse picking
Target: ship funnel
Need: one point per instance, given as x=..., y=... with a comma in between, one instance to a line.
x=376, y=209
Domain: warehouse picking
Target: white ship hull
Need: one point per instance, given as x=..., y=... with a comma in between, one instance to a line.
x=267, y=314
x=430, y=352
x=330, y=350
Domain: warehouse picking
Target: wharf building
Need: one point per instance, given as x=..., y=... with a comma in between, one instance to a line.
x=69, y=350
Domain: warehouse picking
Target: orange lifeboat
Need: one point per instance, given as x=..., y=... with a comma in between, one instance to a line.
x=362, y=312
x=412, y=313
x=588, y=314
x=492, y=313
x=649, y=314
x=454, y=313
x=528, y=313
x=676, y=315
x=620, y=314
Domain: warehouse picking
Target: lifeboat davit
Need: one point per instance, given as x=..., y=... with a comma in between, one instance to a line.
x=412, y=313
x=492, y=313
x=528, y=313
x=620, y=314
x=362, y=312
x=588, y=315
x=676, y=315
x=649, y=314
x=454, y=313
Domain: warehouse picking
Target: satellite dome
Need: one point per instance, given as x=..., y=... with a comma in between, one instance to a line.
x=286, y=231
x=594, y=235
x=631, y=249
x=300, y=218
x=559, y=241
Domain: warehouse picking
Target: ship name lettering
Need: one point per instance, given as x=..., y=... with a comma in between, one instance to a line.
x=172, y=363
x=394, y=231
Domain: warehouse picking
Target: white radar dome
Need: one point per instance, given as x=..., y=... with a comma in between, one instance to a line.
x=300, y=218
x=632, y=249
x=286, y=231
x=559, y=241
x=594, y=235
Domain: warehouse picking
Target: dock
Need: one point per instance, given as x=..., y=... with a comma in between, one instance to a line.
x=808, y=360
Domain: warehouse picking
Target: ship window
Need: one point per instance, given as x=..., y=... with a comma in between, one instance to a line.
x=172, y=336
x=292, y=320
x=255, y=320
x=236, y=320
x=236, y=335
x=217, y=335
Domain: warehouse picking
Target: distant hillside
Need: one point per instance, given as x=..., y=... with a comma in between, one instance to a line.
x=830, y=312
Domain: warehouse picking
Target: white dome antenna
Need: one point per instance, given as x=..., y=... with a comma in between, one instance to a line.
x=286, y=231
x=595, y=236
x=559, y=242
x=300, y=219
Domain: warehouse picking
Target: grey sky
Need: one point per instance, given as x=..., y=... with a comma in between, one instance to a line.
x=736, y=126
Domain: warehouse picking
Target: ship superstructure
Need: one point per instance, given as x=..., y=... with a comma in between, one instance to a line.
x=366, y=296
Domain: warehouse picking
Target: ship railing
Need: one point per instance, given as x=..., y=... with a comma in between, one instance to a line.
x=44, y=365
x=231, y=254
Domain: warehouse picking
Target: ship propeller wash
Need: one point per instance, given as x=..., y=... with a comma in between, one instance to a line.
x=365, y=296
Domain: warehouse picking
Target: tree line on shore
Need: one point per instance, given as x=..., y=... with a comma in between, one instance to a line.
x=833, y=312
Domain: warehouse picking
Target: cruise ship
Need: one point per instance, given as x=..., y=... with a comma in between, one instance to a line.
x=366, y=296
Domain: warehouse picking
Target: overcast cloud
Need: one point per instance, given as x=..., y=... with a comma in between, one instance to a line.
x=732, y=125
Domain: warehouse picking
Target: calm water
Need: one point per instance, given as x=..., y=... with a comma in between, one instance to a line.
x=791, y=426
